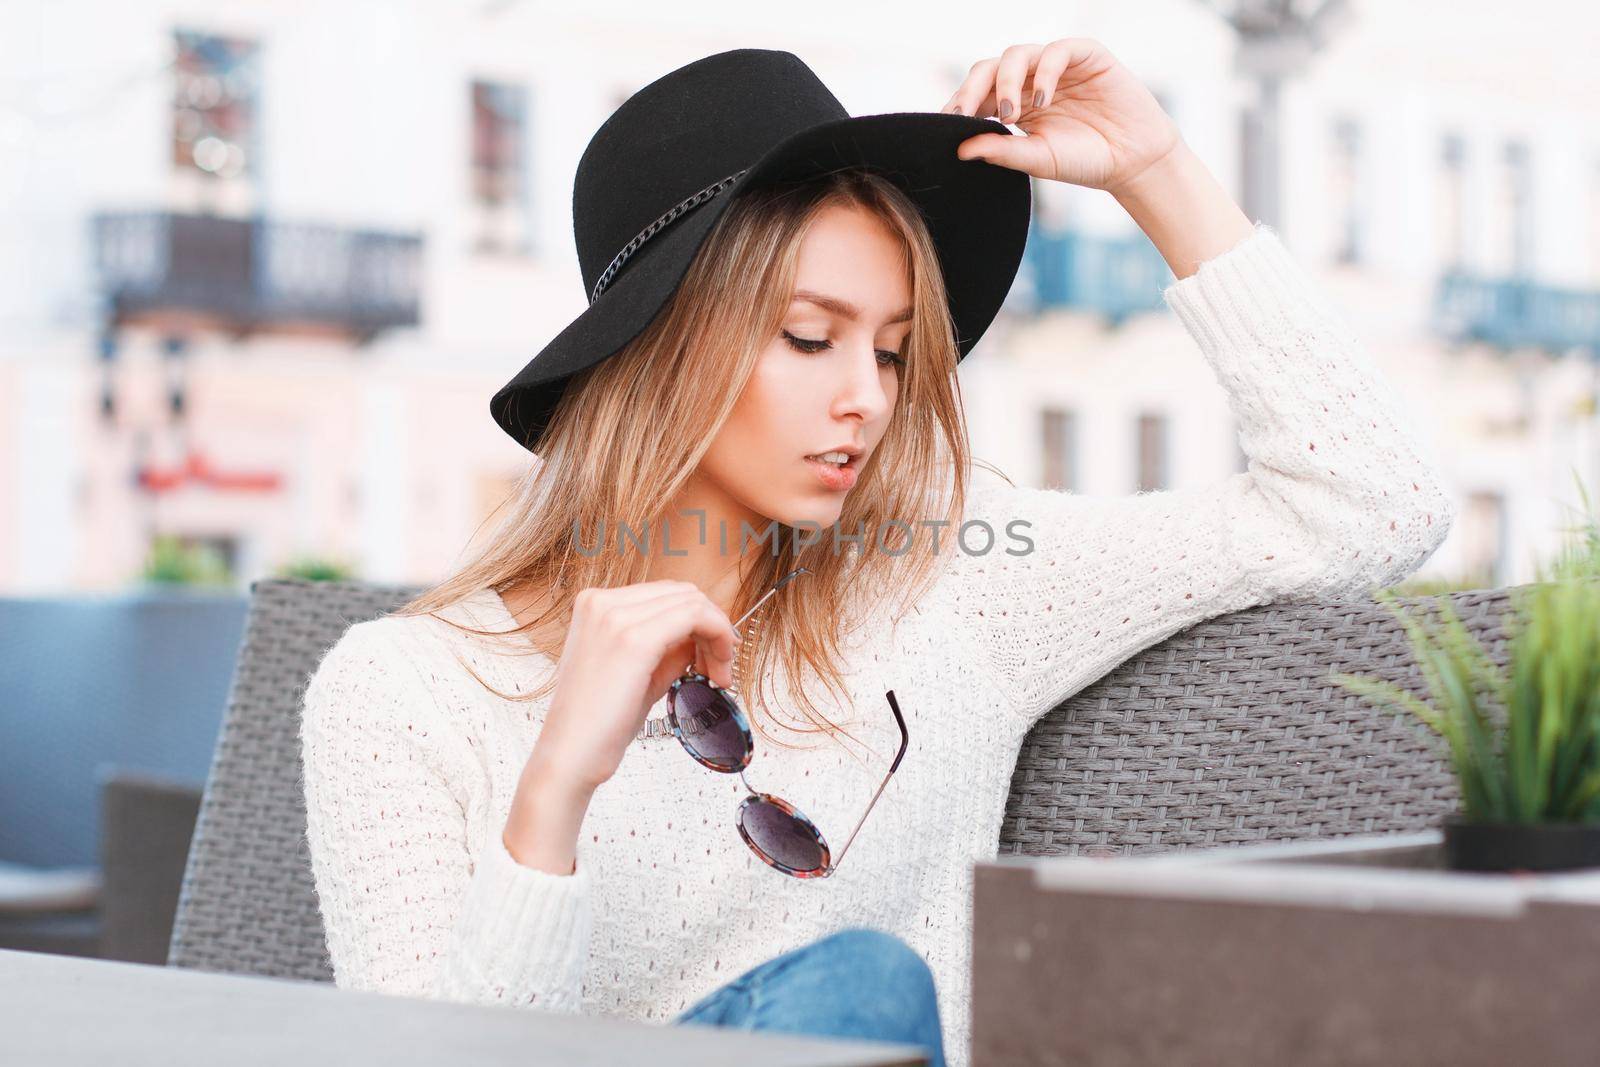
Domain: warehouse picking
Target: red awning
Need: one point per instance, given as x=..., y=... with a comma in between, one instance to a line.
x=197, y=470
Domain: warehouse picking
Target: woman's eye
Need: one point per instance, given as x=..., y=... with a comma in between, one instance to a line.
x=886, y=357
x=804, y=344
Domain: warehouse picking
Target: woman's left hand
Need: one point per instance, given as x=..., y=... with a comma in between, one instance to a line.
x=1088, y=120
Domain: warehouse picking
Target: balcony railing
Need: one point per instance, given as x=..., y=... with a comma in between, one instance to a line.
x=1111, y=276
x=1515, y=313
x=257, y=274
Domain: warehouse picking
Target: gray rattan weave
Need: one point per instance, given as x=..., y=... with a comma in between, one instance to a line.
x=1227, y=733
x=1231, y=732
x=248, y=905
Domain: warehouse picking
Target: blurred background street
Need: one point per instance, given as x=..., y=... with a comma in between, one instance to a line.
x=265, y=264
x=268, y=261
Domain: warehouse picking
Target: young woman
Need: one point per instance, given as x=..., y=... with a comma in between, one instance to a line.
x=495, y=810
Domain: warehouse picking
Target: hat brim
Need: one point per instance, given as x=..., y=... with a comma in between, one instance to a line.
x=977, y=214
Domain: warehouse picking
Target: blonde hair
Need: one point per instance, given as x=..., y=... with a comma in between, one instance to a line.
x=616, y=446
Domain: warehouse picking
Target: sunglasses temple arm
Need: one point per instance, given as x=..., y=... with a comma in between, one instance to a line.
x=861, y=820
x=785, y=580
x=894, y=705
x=753, y=609
x=745, y=617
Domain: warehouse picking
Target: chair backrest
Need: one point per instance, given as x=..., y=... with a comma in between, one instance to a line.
x=146, y=826
x=248, y=904
x=1233, y=732
x=1228, y=733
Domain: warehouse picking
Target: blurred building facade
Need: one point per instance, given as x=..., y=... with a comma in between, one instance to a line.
x=1440, y=176
x=271, y=261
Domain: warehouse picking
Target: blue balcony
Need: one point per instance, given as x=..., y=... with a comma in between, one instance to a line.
x=1110, y=276
x=247, y=275
x=1516, y=313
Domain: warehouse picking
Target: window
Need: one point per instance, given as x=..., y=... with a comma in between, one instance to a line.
x=501, y=218
x=214, y=119
x=1152, y=452
x=1515, y=212
x=1346, y=187
x=1450, y=202
x=1059, y=447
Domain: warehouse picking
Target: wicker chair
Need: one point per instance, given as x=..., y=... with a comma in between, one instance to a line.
x=1228, y=733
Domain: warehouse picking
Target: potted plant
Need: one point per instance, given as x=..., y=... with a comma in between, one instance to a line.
x=175, y=562
x=317, y=569
x=1524, y=739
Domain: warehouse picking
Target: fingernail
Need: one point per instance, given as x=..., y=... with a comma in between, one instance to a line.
x=1038, y=98
x=1005, y=109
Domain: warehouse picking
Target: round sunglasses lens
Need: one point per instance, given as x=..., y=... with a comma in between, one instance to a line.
x=780, y=835
x=711, y=729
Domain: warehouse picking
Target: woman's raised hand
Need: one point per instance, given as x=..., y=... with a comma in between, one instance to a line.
x=1088, y=120
x=624, y=647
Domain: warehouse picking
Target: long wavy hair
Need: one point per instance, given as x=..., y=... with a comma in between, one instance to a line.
x=616, y=446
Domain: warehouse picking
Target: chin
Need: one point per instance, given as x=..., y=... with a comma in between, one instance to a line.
x=803, y=509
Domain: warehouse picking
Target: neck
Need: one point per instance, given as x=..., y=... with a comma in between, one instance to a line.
x=697, y=553
x=703, y=542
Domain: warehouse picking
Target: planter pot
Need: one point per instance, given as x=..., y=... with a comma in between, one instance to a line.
x=1483, y=846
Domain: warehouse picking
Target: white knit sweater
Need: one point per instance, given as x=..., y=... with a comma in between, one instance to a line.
x=410, y=766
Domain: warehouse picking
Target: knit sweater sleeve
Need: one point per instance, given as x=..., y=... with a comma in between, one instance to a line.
x=406, y=907
x=1336, y=499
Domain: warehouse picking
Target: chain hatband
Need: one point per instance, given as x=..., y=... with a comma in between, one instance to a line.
x=687, y=204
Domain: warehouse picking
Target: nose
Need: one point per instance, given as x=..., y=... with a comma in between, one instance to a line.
x=861, y=390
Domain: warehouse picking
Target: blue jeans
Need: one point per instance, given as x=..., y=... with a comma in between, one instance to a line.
x=857, y=983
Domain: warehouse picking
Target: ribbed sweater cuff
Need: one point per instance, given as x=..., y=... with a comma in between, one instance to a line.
x=1253, y=294
x=522, y=933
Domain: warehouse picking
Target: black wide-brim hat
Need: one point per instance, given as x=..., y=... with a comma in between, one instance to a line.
x=663, y=168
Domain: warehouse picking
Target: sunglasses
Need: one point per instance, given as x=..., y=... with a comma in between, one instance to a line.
x=714, y=730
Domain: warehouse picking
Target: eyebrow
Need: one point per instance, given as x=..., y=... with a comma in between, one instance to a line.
x=842, y=307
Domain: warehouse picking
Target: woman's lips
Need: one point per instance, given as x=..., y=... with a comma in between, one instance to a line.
x=834, y=476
